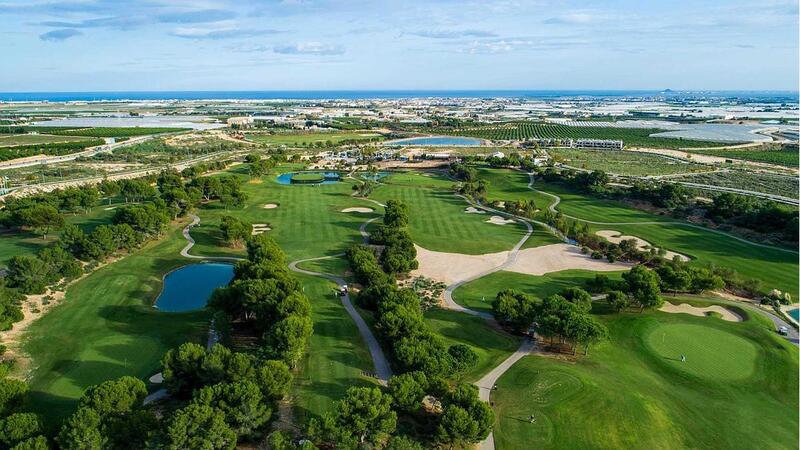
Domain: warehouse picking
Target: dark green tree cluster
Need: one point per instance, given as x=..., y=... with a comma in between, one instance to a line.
x=474, y=190
x=398, y=255
x=258, y=166
x=400, y=321
x=18, y=430
x=31, y=274
x=235, y=231
x=228, y=190
x=265, y=298
x=462, y=172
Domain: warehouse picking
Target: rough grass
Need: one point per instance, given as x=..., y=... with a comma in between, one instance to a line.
x=623, y=395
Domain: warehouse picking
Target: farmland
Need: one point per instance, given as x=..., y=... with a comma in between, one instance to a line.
x=623, y=163
x=788, y=157
x=784, y=185
x=632, y=137
x=53, y=148
x=313, y=139
x=35, y=139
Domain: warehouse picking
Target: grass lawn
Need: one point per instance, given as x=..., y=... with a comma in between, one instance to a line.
x=106, y=328
x=305, y=139
x=775, y=268
x=738, y=389
x=33, y=139
x=437, y=220
x=336, y=353
x=472, y=294
x=491, y=345
x=307, y=223
x=27, y=242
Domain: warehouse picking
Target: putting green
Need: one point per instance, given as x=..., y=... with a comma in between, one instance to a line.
x=710, y=353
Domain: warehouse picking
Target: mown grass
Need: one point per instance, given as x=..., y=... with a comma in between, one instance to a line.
x=480, y=293
x=625, y=395
x=491, y=345
x=105, y=328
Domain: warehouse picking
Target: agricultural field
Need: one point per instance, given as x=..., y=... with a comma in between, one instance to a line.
x=732, y=392
x=119, y=132
x=623, y=163
x=52, y=148
x=632, y=137
x=313, y=139
x=784, y=185
x=787, y=158
x=35, y=139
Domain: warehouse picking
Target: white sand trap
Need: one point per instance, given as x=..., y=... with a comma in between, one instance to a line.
x=259, y=228
x=558, y=257
x=450, y=268
x=270, y=206
x=615, y=237
x=474, y=210
x=686, y=308
x=358, y=209
x=157, y=378
x=499, y=220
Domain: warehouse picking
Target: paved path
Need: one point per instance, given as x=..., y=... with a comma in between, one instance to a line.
x=488, y=381
x=793, y=336
x=557, y=200
x=382, y=370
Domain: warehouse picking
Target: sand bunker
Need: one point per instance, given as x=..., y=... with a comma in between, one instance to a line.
x=454, y=267
x=686, y=308
x=259, y=228
x=358, y=209
x=270, y=206
x=474, y=210
x=157, y=378
x=615, y=237
x=110, y=208
x=499, y=220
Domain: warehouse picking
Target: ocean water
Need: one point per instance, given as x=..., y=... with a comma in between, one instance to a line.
x=380, y=94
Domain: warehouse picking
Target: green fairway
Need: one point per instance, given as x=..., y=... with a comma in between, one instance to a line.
x=307, y=223
x=478, y=294
x=626, y=394
x=336, y=355
x=307, y=139
x=106, y=327
x=491, y=345
x=437, y=220
x=776, y=269
x=709, y=353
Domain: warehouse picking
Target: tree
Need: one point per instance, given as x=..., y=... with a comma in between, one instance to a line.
x=402, y=443
x=408, y=390
x=644, y=287
x=674, y=280
x=181, y=368
x=366, y=414
x=19, y=427
x=581, y=298
x=42, y=218
x=395, y=214
x=617, y=299
x=115, y=397
x=274, y=379
x=462, y=358
x=34, y=443
x=241, y=403
x=82, y=431
x=28, y=273
x=287, y=339
x=515, y=309
x=198, y=426
x=235, y=231
x=584, y=330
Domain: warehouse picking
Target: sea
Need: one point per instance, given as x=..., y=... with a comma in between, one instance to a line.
x=761, y=96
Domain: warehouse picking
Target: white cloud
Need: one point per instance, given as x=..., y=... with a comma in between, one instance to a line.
x=309, y=48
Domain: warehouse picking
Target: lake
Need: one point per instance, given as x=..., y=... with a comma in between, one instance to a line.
x=452, y=141
x=190, y=287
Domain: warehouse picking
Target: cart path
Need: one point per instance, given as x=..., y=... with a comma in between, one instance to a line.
x=382, y=369
x=557, y=200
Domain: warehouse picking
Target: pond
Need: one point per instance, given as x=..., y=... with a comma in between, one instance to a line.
x=309, y=178
x=190, y=287
x=795, y=313
x=453, y=141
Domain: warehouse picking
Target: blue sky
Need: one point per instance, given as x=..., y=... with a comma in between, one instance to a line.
x=84, y=45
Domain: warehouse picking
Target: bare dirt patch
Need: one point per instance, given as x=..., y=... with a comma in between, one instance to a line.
x=686, y=308
x=615, y=237
x=358, y=209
